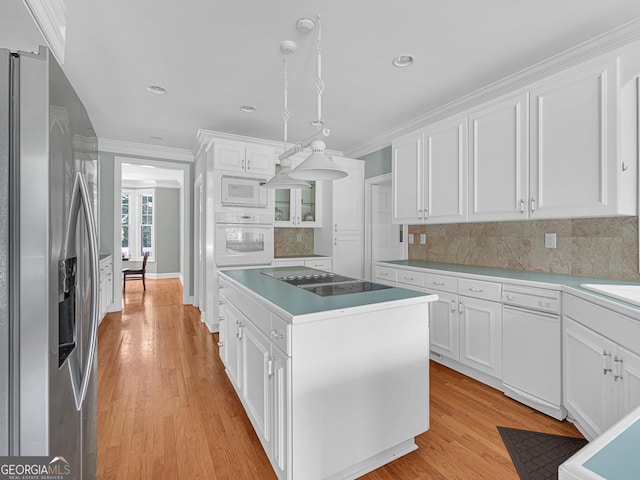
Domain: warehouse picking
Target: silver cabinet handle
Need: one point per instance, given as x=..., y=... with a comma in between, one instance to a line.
x=606, y=362
x=248, y=164
x=243, y=164
x=220, y=344
x=220, y=318
x=419, y=214
x=522, y=205
x=460, y=308
x=408, y=278
x=533, y=204
x=335, y=228
x=239, y=334
x=473, y=289
x=270, y=367
x=453, y=306
x=618, y=374
x=220, y=302
x=438, y=283
x=276, y=335
x=383, y=274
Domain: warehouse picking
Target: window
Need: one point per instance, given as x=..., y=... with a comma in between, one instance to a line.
x=137, y=224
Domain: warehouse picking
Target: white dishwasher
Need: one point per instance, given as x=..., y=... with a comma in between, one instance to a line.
x=531, y=348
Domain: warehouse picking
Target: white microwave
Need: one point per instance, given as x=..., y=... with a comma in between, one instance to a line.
x=243, y=192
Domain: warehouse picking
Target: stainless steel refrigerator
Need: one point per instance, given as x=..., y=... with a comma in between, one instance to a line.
x=48, y=266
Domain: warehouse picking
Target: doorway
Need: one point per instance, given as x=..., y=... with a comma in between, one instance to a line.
x=384, y=240
x=144, y=175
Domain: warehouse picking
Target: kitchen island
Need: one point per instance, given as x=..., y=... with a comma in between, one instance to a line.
x=335, y=384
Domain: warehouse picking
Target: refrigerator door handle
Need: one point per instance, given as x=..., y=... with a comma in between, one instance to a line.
x=80, y=198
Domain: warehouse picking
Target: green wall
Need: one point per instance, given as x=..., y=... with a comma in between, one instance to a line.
x=377, y=163
x=107, y=220
x=167, y=230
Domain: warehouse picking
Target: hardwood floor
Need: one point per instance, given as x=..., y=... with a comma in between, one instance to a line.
x=166, y=409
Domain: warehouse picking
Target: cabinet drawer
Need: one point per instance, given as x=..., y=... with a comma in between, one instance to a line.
x=385, y=274
x=410, y=277
x=480, y=289
x=441, y=282
x=251, y=309
x=279, y=333
x=320, y=264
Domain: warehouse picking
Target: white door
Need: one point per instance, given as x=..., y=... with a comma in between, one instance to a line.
x=260, y=160
x=587, y=377
x=407, y=167
x=499, y=160
x=387, y=238
x=233, y=347
x=629, y=383
x=445, y=175
x=229, y=156
x=481, y=335
x=443, y=325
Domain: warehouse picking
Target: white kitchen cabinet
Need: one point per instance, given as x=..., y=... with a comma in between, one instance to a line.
x=499, y=159
x=319, y=263
x=481, y=335
x=256, y=371
x=299, y=207
x=444, y=326
x=106, y=285
x=430, y=174
x=348, y=198
x=576, y=168
x=343, y=238
x=601, y=378
x=280, y=392
x=243, y=158
x=233, y=345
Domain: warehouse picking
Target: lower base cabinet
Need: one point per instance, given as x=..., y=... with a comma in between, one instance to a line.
x=601, y=379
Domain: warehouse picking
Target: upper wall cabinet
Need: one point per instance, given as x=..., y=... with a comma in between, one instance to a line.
x=553, y=149
x=575, y=165
x=430, y=174
x=244, y=158
x=499, y=160
x=299, y=207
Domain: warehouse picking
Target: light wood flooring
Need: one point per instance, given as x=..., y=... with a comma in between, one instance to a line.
x=166, y=409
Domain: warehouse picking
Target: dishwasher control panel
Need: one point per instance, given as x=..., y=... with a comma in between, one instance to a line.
x=541, y=299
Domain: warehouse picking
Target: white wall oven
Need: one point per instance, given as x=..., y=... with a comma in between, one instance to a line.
x=236, y=191
x=243, y=238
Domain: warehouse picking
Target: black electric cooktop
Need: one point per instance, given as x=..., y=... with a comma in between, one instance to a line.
x=324, y=283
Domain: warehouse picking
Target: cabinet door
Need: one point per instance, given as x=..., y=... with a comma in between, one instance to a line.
x=233, y=346
x=308, y=208
x=279, y=377
x=443, y=325
x=499, y=160
x=260, y=160
x=348, y=198
x=587, y=379
x=445, y=174
x=348, y=255
x=256, y=357
x=628, y=368
x=229, y=156
x=481, y=335
x=574, y=144
x=407, y=179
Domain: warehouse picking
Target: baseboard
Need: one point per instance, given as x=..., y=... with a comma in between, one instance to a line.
x=159, y=276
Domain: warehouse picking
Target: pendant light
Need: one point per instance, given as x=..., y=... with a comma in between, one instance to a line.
x=282, y=180
x=318, y=166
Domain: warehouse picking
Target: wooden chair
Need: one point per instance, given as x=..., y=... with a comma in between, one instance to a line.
x=135, y=274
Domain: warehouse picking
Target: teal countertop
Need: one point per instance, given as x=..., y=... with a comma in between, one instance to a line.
x=298, y=301
x=558, y=279
x=313, y=255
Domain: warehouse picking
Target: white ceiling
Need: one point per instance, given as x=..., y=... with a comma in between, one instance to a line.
x=213, y=56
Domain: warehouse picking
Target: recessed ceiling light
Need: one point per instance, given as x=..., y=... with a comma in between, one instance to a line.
x=157, y=89
x=247, y=108
x=404, y=60
x=156, y=138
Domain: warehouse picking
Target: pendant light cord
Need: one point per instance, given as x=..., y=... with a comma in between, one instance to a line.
x=285, y=110
x=319, y=82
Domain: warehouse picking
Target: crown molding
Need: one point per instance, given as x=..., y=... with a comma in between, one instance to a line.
x=608, y=43
x=49, y=16
x=144, y=150
x=205, y=137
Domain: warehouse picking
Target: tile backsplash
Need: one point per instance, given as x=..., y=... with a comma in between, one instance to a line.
x=593, y=247
x=293, y=241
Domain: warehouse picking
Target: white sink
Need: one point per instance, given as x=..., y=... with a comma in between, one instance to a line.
x=627, y=293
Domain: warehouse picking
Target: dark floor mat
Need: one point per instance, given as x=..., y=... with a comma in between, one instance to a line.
x=536, y=455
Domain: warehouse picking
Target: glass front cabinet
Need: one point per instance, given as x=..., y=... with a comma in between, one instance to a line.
x=299, y=208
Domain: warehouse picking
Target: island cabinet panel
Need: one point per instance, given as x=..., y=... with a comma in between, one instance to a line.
x=350, y=384
x=443, y=315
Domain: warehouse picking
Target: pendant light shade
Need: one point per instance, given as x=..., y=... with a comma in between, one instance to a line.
x=317, y=166
x=283, y=180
